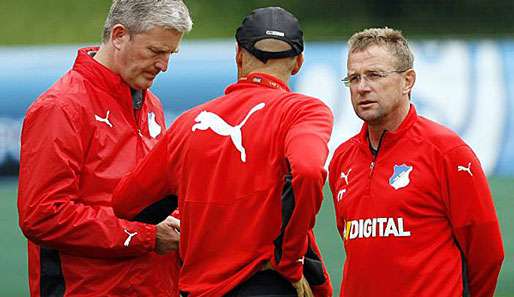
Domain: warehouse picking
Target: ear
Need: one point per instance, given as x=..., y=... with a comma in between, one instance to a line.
x=119, y=35
x=298, y=65
x=239, y=57
x=410, y=79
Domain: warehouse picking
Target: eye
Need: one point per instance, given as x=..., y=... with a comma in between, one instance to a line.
x=353, y=78
x=153, y=51
x=374, y=75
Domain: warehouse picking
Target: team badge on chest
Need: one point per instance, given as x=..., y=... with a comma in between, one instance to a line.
x=400, y=177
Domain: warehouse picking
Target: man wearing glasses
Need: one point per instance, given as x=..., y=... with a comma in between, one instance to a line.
x=412, y=203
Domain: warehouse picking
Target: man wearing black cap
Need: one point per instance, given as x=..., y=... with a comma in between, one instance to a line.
x=248, y=168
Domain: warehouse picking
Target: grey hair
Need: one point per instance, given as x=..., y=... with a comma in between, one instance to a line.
x=391, y=39
x=139, y=16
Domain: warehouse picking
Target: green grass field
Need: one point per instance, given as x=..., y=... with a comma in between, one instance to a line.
x=13, y=259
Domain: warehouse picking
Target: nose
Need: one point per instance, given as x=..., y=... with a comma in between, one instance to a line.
x=362, y=85
x=162, y=63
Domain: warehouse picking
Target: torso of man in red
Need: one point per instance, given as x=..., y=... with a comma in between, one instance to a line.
x=79, y=138
x=248, y=191
x=416, y=218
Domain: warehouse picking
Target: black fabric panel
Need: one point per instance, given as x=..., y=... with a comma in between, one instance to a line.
x=157, y=212
x=52, y=279
x=288, y=205
x=266, y=283
x=465, y=280
x=313, y=268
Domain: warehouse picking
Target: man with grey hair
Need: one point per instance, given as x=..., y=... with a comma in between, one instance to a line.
x=79, y=138
x=412, y=203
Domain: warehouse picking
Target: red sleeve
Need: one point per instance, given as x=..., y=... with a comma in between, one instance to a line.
x=306, y=151
x=50, y=211
x=473, y=219
x=333, y=175
x=148, y=183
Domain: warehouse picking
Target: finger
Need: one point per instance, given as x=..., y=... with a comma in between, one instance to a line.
x=299, y=291
x=307, y=290
x=177, y=234
x=173, y=222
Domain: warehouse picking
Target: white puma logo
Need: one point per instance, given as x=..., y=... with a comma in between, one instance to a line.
x=153, y=127
x=104, y=120
x=467, y=169
x=340, y=195
x=345, y=176
x=205, y=120
x=130, y=235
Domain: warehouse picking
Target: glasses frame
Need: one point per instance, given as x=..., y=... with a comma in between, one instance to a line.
x=383, y=74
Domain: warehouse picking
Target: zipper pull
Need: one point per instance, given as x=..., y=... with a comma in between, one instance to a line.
x=371, y=166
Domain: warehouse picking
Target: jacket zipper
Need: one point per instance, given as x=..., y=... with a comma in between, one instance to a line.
x=373, y=163
x=137, y=119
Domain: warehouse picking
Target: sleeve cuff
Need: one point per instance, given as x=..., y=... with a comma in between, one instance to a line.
x=292, y=271
x=149, y=237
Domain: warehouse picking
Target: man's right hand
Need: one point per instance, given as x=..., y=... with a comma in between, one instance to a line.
x=302, y=288
x=168, y=235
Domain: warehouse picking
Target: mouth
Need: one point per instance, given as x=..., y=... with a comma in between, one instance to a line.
x=366, y=103
x=150, y=75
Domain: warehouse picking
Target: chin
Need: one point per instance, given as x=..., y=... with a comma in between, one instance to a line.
x=143, y=85
x=368, y=116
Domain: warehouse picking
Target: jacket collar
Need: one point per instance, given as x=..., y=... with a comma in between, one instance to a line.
x=258, y=79
x=390, y=137
x=102, y=77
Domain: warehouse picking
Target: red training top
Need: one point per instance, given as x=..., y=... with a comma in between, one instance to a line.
x=79, y=138
x=415, y=215
x=230, y=161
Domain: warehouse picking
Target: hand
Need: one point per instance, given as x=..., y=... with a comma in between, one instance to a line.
x=168, y=235
x=302, y=288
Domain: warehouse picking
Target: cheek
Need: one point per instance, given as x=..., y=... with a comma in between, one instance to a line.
x=353, y=97
x=139, y=60
x=390, y=95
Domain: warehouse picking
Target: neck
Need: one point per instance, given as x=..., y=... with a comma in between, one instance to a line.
x=282, y=76
x=104, y=56
x=390, y=122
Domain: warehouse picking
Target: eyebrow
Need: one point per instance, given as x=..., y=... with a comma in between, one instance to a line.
x=368, y=70
x=163, y=49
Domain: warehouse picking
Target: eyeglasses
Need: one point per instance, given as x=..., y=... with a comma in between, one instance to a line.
x=369, y=76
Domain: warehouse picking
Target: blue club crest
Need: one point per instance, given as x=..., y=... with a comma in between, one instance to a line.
x=400, y=177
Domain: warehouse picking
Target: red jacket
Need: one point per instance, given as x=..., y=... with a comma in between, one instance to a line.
x=78, y=139
x=413, y=216
x=230, y=161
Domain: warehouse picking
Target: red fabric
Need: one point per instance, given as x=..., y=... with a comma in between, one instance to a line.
x=438, y=208
x=230, y=209
x=70, y=164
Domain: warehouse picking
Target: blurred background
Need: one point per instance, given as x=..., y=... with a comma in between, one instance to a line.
x=464, y=57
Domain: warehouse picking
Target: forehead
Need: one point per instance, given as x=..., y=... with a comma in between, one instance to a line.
x=374, y=57
x=164, y=38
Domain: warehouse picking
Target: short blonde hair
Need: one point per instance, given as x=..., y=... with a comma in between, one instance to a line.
x=391, y=39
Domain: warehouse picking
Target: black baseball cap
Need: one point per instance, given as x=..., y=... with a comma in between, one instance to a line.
x=270, y=22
